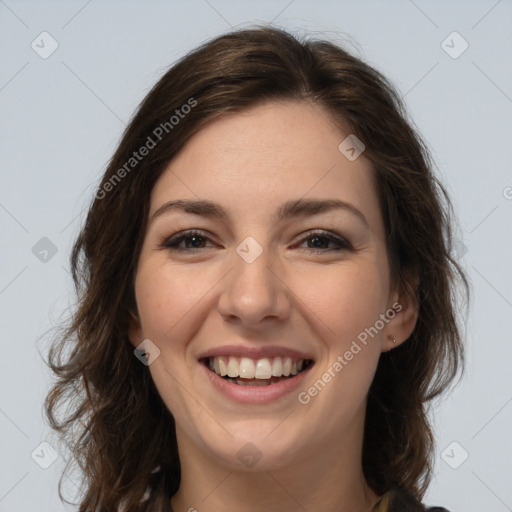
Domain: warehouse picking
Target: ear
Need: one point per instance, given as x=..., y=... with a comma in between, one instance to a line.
x=403, y=310
x=135, y=329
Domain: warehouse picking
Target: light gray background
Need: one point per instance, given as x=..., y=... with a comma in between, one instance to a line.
x=62, y=117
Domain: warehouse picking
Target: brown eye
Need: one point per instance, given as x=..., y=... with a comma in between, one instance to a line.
x=193, y=241
x=322, y=238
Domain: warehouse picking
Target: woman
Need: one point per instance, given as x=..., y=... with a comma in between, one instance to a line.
x=266, y=292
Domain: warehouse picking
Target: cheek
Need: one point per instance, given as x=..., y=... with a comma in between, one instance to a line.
x=165, y=297
x=169, y=301
x=345, y=301
x=346, y=304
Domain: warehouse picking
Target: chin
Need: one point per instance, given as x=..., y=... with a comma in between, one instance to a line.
x=255, y=445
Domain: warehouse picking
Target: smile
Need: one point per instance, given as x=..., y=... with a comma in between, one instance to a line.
x=255, y=374
x=265, y=371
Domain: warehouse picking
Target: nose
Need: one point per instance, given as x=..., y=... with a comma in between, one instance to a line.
x=255, y=291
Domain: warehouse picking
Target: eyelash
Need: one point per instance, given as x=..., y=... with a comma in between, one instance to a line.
x=171, y=243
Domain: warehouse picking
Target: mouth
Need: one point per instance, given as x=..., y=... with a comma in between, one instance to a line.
x=266, y=371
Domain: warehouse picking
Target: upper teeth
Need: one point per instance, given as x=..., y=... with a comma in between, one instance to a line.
x=247, y=368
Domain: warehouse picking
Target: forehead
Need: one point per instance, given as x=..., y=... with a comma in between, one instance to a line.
x=255, y=160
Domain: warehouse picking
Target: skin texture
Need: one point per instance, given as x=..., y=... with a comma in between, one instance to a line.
x=316, y=300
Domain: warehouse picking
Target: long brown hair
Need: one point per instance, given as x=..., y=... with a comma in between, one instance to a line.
x=117, y=427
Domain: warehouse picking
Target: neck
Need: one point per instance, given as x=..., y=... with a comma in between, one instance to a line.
x=333, y=482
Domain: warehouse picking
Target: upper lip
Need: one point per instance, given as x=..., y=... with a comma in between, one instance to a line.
x=255, y=352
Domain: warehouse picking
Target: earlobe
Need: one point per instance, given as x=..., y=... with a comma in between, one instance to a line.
x=134, y=329
x=405, y=316
x=392, y=339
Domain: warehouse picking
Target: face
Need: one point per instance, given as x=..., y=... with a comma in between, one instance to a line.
x=235, y=288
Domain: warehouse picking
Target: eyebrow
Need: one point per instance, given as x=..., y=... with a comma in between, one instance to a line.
x=290, y=209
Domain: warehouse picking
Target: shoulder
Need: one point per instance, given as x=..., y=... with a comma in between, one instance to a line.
x=401, y=500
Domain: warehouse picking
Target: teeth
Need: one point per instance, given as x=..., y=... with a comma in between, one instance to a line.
x=263, y=369
x=233, y=367
x=287, y=367
x=247, y=368
x=223, y=366
x=277, y=367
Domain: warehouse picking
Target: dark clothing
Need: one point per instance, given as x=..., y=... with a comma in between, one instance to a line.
x=401, y=500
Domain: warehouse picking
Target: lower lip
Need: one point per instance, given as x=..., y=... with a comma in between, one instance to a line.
x=255, y=394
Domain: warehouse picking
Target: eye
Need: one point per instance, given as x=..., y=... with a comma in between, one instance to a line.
x=322, y=238
x=193, y=241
